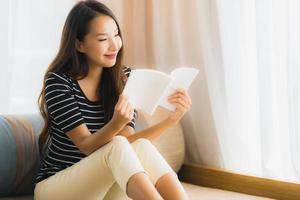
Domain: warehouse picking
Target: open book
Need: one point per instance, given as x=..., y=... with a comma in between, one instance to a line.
x=147, y=88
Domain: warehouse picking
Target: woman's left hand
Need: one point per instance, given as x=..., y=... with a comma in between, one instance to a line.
x=181, y=99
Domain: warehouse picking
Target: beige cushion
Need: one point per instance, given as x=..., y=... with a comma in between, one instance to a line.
x=170, y=143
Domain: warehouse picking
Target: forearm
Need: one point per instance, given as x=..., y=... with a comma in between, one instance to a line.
x=100, y=138
x=152, y=132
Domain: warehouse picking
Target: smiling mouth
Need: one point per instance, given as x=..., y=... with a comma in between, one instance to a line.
x=111, y=56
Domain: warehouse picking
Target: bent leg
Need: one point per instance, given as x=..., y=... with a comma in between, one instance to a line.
x=92, y=177
x=170, y=187
x=153, y=163
x=162, y=175
x=151, y=159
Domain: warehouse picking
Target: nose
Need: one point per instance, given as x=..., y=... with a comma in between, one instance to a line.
x=114, y=44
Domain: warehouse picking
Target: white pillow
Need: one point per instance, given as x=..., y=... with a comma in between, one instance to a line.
x=170, y=143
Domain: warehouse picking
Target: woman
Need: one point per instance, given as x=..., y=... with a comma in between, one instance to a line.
x=88, y=140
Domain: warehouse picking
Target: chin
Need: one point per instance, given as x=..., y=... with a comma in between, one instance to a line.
x=109, y=64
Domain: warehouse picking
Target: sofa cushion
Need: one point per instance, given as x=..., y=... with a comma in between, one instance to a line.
x=19, y=154
x=171, y=143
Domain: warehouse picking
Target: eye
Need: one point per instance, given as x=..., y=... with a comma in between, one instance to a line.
x=101, y=40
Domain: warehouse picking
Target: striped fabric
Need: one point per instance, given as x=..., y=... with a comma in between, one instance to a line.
x=19, y=154
x=68, y=107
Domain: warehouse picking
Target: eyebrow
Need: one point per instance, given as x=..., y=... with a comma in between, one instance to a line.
x=105, y=33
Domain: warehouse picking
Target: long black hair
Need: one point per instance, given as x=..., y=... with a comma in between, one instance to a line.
x=74, y=64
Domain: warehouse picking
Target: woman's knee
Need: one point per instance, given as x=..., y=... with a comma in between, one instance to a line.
x=119, y=141
x=119, y=138
x=143, y=142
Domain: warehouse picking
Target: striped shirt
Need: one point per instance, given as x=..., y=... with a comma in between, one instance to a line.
x=68, y=107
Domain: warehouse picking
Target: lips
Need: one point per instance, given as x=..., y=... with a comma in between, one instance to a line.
x=110, y=56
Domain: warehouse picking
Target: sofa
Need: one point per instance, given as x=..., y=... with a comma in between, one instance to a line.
x=19, y=154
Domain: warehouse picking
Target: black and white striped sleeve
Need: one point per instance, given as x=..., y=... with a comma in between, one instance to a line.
x=132, y=123
x=61, y=104
x=127, y=71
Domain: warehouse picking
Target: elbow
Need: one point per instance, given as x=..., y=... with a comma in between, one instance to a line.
x=84, y=147
x=85, y=152
x=88, y=145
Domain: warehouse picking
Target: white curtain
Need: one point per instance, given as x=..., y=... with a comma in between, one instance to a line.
x=30, y=35
x=246, y=99
x=259, y=44
x=253, y=85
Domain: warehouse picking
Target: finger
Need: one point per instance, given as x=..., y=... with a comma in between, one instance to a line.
x=184, y=95
x=177, y=95
x=125, y=107
x=180, y=96
x=123, y=101
x=179, y=107
x=129, y=111
x=181, y=101
x=188, y=97
x=121, y=97
x=181, y=90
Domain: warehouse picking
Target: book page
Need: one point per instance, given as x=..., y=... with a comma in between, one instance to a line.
x=182, y=78
x=144, y=88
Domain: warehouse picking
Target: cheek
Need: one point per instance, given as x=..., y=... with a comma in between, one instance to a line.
x=94, y=51
x=101, y=49
x=98, y=49
x=120, y=43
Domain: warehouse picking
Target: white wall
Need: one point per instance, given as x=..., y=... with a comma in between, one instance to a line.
x=30, y=38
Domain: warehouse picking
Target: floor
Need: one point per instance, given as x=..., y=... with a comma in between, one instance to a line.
x=198, y=193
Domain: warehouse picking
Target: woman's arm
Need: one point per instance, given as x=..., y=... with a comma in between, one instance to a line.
x=181, y=100
x=88, y=143
x=150, y=133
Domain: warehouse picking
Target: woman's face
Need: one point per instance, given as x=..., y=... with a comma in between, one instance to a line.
x=102, y=43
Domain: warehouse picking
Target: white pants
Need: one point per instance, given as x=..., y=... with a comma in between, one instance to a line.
x=104, y=174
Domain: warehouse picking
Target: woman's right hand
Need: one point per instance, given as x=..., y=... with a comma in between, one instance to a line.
x=123, y=112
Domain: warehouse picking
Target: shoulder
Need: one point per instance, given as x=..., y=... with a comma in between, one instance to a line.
x=59, y=78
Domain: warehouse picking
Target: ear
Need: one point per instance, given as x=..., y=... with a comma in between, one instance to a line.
x=79, y=46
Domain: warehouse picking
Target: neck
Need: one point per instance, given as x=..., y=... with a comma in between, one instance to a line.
x=94, y=75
